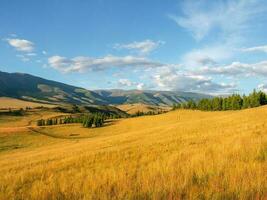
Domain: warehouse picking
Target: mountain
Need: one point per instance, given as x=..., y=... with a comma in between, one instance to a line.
x=28, y=87
x=25, y=86
x=149, y=97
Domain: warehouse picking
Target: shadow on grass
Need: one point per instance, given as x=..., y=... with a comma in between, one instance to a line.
x=10, y=147
x=71, y=136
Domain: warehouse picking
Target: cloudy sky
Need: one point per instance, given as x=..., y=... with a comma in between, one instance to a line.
x=207, y=46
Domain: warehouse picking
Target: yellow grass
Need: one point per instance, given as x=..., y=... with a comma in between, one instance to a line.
x=29, y=119
x=6, y=103
x=178, y=155
x=134, y=108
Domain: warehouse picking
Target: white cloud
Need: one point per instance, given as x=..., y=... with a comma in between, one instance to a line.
x=172, y=79
x=81, y=64
x=237, y=69
x=31, y=54
x=234, y=69
x=21, y=44
x=256, y=49
x=262, y=87
x=143, y=47
x=222, y=26
x=44, y=52
x=140, y=86
x=231, y=16
x=209, y=55
x=125, y=82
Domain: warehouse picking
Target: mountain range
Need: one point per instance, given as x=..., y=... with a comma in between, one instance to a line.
x=33, y=88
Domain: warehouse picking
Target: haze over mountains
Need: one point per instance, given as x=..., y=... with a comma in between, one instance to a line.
x=26, y=86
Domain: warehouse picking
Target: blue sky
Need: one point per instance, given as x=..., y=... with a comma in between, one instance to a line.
x=207, y=46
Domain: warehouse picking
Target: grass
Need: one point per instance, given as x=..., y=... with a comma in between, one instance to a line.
x=178, y=155
x=134, y=108
x=72, y=131
x=6, y=103
x=28, y=119
x=21, y=140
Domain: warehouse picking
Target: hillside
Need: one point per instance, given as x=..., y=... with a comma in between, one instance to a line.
x=6, y=103
x=28, y=87
x=148, y=97
x=138, y=107
x=34, y=88
x=182, y=154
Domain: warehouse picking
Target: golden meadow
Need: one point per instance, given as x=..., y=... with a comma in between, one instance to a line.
x=181, y=154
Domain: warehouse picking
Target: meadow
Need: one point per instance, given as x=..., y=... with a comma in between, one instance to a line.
x=181, y=154
x=139, y=107
x=11, y=103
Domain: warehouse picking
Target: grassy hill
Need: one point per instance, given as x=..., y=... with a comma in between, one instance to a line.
x=138, y=107
x=182, y=154
x=32, y=88
x=148, y=97
x=12, y=103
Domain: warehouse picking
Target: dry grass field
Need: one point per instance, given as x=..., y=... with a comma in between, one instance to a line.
x=6, y=103
x=134, y=108
x=178, y=155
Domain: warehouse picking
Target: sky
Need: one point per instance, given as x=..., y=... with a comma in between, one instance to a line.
x=206, y=46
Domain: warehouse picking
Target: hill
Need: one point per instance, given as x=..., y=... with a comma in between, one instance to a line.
x=32, y=88
x=109, y=110
x=182, y=154
x=138, y=107
x=149, y=97
x=25, y=86
x=11, y=103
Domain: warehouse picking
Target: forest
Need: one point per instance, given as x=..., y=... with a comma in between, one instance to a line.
x=232, y=102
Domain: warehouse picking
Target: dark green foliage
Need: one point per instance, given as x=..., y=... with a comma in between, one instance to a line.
x=96, y=120
x=88, y=121
x=10, y=112
x=49, y=122
x=139, y=113
x=75, y=109
x=40, y=122
x=233, y=102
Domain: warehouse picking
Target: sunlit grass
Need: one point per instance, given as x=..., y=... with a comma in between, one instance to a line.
x=6, y=103
x=139, y=107
x=178, y=155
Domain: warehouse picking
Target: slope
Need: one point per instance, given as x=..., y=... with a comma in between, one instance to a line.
x=34, y=88
x=178, y=155
x=138, y=107
x=28, y=87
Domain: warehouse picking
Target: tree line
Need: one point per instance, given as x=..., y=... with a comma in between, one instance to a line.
x=141, y=113
x=17, y=112
x=88, y=121
x=233, y=102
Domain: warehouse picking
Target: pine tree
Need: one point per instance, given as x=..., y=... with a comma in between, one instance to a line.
x=246, y=102
x=40, y=122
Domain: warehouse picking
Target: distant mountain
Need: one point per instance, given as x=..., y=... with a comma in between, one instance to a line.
x=149, y=97
x=25, y=86
x=28, y=87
